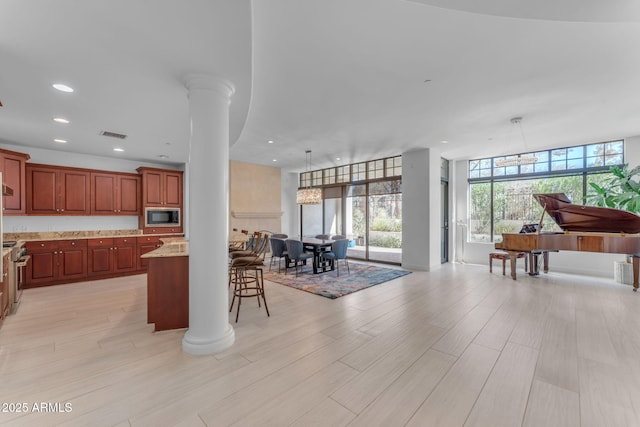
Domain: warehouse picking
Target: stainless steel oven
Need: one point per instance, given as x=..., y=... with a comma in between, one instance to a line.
x=19, y=259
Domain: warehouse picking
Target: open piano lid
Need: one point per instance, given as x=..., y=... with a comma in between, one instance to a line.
x=571, y=217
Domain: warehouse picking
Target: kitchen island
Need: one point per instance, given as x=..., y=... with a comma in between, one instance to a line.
x=168, y=285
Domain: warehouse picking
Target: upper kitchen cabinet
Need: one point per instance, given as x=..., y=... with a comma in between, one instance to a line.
x=161, y=187
x=12, y=166
x=115, y=194
x=57, y=190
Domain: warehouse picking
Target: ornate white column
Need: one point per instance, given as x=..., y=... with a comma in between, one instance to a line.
x=208, y=189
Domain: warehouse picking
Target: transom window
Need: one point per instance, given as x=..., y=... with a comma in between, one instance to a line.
x=389, y=167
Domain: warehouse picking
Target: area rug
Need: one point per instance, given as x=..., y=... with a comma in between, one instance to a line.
x=328, y=285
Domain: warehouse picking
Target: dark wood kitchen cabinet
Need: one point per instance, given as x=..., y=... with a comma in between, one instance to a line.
x=110, y=256
x=100, y=256
x=145, y=245
x=53, y=190
x=56, y=261
x=115, y=194
x=161, y=187
x=12, y=166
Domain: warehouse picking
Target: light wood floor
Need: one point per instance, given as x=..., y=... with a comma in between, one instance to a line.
x=454, y=347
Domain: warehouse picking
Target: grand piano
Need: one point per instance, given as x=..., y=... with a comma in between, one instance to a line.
x=585, y=229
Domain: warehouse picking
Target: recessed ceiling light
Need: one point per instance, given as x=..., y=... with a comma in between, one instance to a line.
x=270, y=141
x=163, y=156
x=274, y=160
x=63, y=87
x=444, y=142
x=118, y=149
x=61, y=120
x=337, y=158
x=61, y=141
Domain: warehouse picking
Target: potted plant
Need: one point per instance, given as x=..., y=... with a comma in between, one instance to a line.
x=620, y=191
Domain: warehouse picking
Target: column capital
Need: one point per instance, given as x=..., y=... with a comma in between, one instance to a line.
x=200, y=81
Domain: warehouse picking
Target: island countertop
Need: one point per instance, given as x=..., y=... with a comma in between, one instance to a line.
x=171, y=247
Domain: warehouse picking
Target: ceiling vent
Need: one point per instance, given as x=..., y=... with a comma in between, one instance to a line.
x=113, y=134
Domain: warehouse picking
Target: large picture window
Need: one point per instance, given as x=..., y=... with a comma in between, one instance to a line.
x=501, y=188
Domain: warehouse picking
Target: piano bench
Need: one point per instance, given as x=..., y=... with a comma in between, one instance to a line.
x=503, y=256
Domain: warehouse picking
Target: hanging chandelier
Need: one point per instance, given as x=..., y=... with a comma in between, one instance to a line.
x=309, y=195
x=522, y=159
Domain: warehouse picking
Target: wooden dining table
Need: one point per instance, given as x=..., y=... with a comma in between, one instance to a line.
x=320, y=265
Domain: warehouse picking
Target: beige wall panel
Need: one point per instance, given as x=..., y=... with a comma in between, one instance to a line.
x=254, y=197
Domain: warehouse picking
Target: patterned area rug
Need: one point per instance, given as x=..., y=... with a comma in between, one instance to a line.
x=328, y=285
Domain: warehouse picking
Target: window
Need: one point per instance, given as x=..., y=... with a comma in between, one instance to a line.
x=357, y=172
x=376, y=169
x=501, y=188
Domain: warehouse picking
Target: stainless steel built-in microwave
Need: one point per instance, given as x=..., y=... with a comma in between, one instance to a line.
x=161, y=217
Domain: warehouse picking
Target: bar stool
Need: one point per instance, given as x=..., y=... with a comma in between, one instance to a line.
x=246, y=284
x=503, y=256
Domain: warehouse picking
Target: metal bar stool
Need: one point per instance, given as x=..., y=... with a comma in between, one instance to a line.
x=245, y=284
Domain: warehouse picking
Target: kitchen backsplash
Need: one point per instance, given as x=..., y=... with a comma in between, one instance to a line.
x=25, y=224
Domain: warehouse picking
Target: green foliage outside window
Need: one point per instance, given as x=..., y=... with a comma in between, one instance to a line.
x=620, y=189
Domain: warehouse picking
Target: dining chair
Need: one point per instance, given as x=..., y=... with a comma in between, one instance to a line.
x=280, y=236
x=296, y=254
x=278, y=250
x=338, y=237
x=338, y=252
x=323, y=236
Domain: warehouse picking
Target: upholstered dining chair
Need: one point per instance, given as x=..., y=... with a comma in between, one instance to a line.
x=338, y=237
x=323, y=236
x=296, y=254
x=278, y=250
x=338, y=251
x=279, y=236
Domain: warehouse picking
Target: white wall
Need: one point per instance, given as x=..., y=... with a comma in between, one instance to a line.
x=24, y=223
x=591, y=264
x=290, y=209
x=421, y=209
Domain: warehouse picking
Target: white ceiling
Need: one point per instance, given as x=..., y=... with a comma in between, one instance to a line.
x=355, y=79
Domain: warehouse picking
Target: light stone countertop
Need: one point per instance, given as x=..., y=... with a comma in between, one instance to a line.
x=171, y=247
x=65, y=235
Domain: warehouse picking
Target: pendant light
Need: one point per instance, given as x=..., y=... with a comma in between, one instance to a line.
x=309, y=195
x=522, y=159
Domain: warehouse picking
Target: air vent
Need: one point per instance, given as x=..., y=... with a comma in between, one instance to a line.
x=113, y=134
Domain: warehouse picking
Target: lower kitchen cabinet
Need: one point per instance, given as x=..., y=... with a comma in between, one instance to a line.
x=59, y=261
x=100, y=256
x=56, y=261
x=146, y=244
x=112, y=255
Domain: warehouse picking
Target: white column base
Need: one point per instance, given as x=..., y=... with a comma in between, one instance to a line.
x=198, y=346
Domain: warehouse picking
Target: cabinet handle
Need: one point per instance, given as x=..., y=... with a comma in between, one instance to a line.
x=73, y=243
x=42, y=244
x=61, y=210
x=55, y=252
x=110, y=249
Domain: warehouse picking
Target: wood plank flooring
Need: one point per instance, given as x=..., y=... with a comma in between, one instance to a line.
x=454, y=347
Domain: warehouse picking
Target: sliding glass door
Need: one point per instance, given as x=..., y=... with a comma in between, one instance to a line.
x=385, y=222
